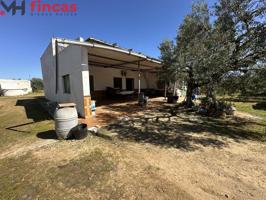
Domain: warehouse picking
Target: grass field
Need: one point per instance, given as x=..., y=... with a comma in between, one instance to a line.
x=249, y=105
x=246, y=104
x=156, y=155
x=21, y=119
x=248, y=108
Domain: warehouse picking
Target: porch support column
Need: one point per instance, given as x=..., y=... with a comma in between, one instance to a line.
x=165, y=90
x=85, y=79
x=139, y=77
x=86, y=94
x=56, y=66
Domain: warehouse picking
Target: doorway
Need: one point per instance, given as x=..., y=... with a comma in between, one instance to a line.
x=130, y=84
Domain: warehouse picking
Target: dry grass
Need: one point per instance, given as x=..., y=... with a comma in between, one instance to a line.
x=20, y=120
x=156, y=155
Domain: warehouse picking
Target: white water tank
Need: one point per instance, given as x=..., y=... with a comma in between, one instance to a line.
x=66, y=118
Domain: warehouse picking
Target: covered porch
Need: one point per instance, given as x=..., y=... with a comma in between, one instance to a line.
x=114, y=73
x=112, y=111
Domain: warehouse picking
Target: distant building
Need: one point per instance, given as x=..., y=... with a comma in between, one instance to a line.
x=14, y=87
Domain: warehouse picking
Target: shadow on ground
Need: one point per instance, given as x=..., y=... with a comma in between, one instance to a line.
x=111, y=112
x=47, y=135
x=187, y=132
x=34, y=111
x=108, y=101
x=129, y=108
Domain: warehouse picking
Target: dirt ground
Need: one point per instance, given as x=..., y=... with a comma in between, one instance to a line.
x=158, y=154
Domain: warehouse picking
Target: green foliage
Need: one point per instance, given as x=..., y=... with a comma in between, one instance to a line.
x=251, y=83
x=168, y=72
x=205, y=101
x=228, y=54
x=193, y=41
x=192, y=45
x=241, y=27
x=36, y=84
x=254, y=82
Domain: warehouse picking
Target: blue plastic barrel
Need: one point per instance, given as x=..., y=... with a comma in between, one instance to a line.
x=93, y=105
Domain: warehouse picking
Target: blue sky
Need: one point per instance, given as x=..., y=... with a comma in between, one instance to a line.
x=137, y=24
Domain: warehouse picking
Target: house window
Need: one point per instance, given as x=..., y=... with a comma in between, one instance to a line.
x=130, y=84
x=66, y=83
x=118, y=83
x=91, y=83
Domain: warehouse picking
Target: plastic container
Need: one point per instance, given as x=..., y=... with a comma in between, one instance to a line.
x=80, y=131
x=66, y=118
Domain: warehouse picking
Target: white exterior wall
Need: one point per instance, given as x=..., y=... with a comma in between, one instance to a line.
x=15, y=87
x=48, y=72
x=73, y=61
x=103, y=77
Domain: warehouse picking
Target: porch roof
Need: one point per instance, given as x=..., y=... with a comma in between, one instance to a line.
x=103, y=54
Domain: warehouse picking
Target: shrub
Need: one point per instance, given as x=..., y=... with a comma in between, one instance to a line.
x=36, y=84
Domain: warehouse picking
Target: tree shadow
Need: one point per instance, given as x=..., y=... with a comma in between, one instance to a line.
x=234, y=128
x=108, y=102
x=184, y=131
x=50, y=134
x=106, y=118
x=133, y=107
x=113, y=112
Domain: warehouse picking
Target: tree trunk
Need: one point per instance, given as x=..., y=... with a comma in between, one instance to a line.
x=165, y=89
x=174, y=92
x=190, y=87
x=211, y=94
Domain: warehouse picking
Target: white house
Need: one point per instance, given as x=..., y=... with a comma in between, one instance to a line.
x=78, y=71
x=10, y=87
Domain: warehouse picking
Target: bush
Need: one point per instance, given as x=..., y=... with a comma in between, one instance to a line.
x=218, y=108
x=260, y=106
x=36, y=84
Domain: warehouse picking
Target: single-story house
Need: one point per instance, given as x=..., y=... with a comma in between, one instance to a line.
x=78, y=71
x=9, y=87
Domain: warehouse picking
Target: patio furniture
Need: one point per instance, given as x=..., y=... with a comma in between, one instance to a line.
x=172, y=99
x=117, y=92
x=125, y=92
x=150, y=92
x=142, y=100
